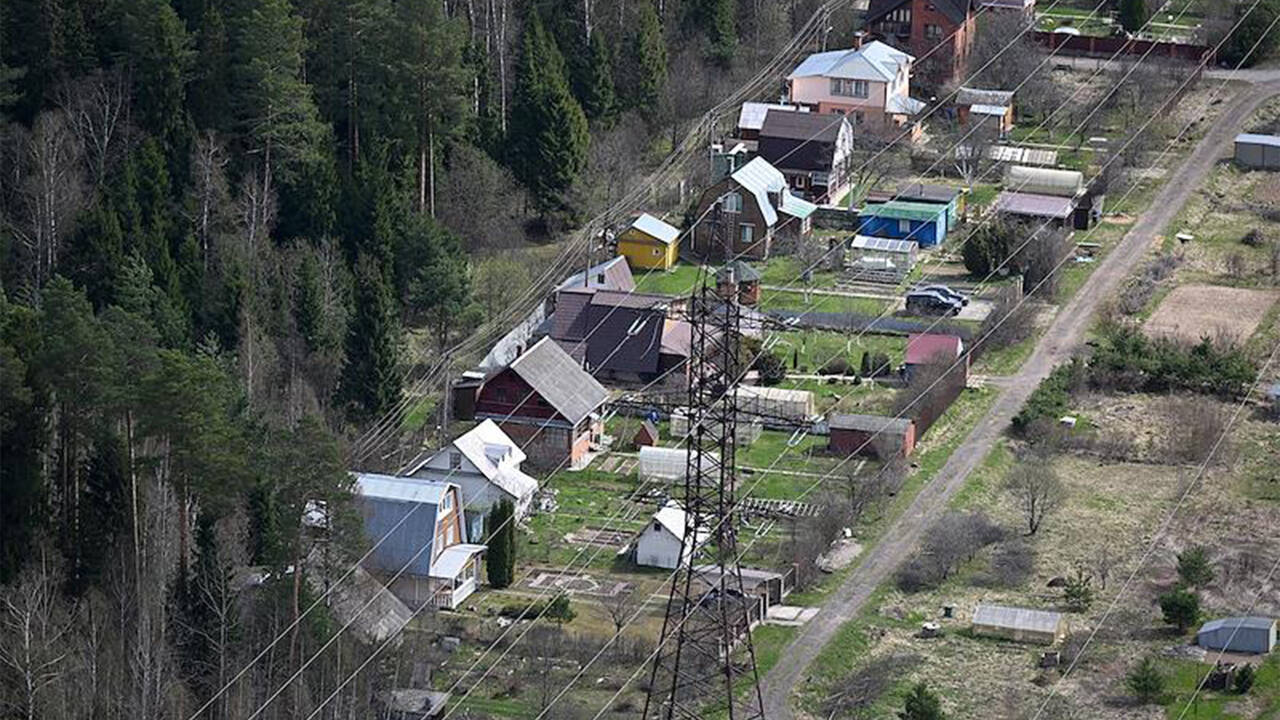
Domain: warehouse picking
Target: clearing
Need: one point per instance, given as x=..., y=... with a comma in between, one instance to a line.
x=1192, y=312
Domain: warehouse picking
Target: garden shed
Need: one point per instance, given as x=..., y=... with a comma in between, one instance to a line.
x=660, y=463
x=879, y=255
x=772, y=402
x=1043, y=181
x=1054, y=208
x=1261, y=152
x=1019, y=624
x=924, y=223
x=1239, y=634
x=927, y=193
x=749, y=427
x=869, y=435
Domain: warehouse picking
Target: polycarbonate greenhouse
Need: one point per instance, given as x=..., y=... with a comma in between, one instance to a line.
x=666, y=464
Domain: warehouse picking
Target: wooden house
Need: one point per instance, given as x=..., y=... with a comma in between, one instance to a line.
x=650, y=243
x=742, y=214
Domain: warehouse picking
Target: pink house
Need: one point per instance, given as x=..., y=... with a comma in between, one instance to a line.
x=933, y=349
x=870, y=83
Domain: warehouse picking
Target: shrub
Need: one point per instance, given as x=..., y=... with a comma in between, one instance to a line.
x=1011, y=564
x=954, y=540
x=1181, y=608
x=1077, y=594
x=1050, y=399
x=771, y=368
x=1244, y=679
x=1253, y=238
x=1145, y=681
x=1194, y=567
x=835, y=366
x=922, y=704
x=1126, y=359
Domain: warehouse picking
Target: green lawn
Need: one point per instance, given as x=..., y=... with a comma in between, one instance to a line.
x=1182, y=678
x=679, y=280
x=778, y=300
x=815, y=348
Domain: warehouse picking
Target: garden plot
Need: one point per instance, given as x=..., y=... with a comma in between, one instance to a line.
x=1192, y=312
x=577, y=584
x=600, y=537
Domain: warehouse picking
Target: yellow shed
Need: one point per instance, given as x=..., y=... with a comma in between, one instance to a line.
x=650, y=243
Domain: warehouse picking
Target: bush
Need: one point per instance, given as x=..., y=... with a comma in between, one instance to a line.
x=1125, y=359
x=771, y=368
x=1049, y=401
x=1077, y=594
x=835, y=366
x=874, y=364
x=1194, y=567
x=922, y=704
x=1145, y=681
x=1011, y=565
x=1254, y=238
x=1180, y=608
x=954, y=540
x=557, y=609
x=1244, y=679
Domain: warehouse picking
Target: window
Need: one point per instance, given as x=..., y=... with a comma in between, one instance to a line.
x=859, y=117
x=599, y=278
x=904, y=226
x=933, y=32
x=455, y=460
x=446, y=502
x=732, y=203
x=746, y=232
x=850, y=88
x=657, y=252
x=657, y=526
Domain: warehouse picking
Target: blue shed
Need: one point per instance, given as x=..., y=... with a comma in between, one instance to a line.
x=405, y=511
x=1239, y=634
x=924, y=223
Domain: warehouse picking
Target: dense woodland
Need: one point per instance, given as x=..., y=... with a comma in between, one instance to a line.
x=226, y=229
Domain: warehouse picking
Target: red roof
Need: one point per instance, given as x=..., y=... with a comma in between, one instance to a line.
x=924, y=348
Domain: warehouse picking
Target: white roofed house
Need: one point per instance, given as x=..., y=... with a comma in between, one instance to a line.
x=870, y=83
x=419, y=535
x=485, y=463
x=661, y=544
x=752, y=208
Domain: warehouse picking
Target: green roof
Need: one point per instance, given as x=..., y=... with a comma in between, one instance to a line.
x=903, y=210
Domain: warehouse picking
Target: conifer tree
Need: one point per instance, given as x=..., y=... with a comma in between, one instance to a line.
x=598, y=99
x=647, y=68
x=501, y=559
x=715, y=19
x=1133, y=14
x=549, y=136
x=160, y=54
x=370, y=384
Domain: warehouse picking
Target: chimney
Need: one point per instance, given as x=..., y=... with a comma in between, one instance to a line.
x=857, y=40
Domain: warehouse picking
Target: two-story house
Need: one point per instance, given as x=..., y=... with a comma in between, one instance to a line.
x=485, y=463
x=743, y=214
x=869, y=83
x=419, y=534
x=623, y=337
x=940, y=32
x=811, y=150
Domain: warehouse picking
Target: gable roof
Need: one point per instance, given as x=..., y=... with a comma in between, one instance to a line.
x=915, y=192
x=752, y=114
x=922, y=348
x=559, y=380
x=672, y=518
x=677, y=338
x=870, y=423
x=978, y=96
x=875, y=61
x=1033, y=205
x=810, y=127
x=1257, y=139
x=616, y=276
x=400, y=489
x=496, y=456
x=1238, y=623
x=742, y=272
x=955, y=10
x=760, y=178
x=655, y=228
x=904, y=210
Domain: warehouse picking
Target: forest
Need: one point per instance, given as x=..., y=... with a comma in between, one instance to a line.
x=227, y=229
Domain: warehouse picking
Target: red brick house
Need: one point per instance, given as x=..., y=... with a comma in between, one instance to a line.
x=919, y=26
x=547, y=404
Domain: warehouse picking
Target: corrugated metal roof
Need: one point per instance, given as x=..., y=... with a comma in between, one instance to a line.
x=655, y=228
x=677, y=338
x=1043, y=181
x=400, y=489
x=869, y=423
x=978, y=96
x=760, y=178
x=996, y=110
x=1238, y=623
x=560, y=381
x=916, y=192
x=752, y=114
x=742, y=272
x=867, y=242
x=673, y=518
x=1017, y=618
x=1256, y=139
x=453, y=559
x=810, y=127
x=1045, y=206
x=904, y=210
x=875, y=61
x=796, y=207
x=923, y=348
x=613, y=274
x=903, y=105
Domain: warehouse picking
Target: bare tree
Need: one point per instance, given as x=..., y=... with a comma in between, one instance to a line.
x=1038, y=490
x=50, y=191
x=97, y=109
x=210, y=198
x=471, y=178
x=34, y=638
x=622, y=606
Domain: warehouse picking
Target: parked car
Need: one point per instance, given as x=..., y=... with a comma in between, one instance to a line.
x=922, y=302
x=946, y=291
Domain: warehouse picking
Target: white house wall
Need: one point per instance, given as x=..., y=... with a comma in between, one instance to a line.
x=658, y=548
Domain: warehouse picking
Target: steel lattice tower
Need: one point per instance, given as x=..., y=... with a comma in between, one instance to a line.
x=705, y=665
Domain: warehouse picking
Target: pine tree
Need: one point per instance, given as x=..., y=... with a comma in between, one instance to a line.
x=1252, y=40
x=23, y=438
x=1133, y=14
x=1180, y=608
x=210, y=98
x=1194, y=568
x=370, y=383
x=598, y=99
x=549, y=135
x=716, y=19
x=501, y=558
x=1145, y=681
x=9, y=76
x=105, y=511
x=647, y=70
x=922, y=704
x=160, y=53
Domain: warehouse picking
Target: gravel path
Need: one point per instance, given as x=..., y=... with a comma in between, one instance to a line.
x=1062, y=337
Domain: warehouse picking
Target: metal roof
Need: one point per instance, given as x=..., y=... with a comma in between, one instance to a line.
x=916, y=192
x=903, y=105
x=495, y=455
x=867, y=242
x=455, y=557
x=1034, y=205
x=760, y=178
x=904, y=210
x=752, y=114
x=1043, y=181
x=977, y=96
x=1256, y=139
x=874, y=61
x=613, y=274
x=922, y=348
x=810, y=127
x=655, y=228
x=1017, y=618
x=672, y=518
x=560, y=381
x=1238, y=623
x=870, y=423
x=400, y=489
x=742, y=272
x=996, y=110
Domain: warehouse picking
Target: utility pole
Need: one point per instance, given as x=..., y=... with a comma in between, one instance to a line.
x=705, y=658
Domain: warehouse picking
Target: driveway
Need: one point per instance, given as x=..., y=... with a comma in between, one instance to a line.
x=1060, y=340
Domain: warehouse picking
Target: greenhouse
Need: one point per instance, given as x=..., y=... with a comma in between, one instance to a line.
x=749, y=428
x=771, y=402
x=667, y=464
x=1043, y=181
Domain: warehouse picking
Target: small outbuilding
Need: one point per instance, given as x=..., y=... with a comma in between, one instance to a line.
x=924, y=223
x=773, y=403
x=876, y=256
x=1258, y=152
x=662, y=543
x=871, y=435
x=990, y=109
x=739, y=279
x=1044, y=181
x=647, y=435
x=650, y=243
x=1239, y=634
x=1019, y=624
x=930, y=194
x=1035, y=207
x=668, y=464
x=932, y=349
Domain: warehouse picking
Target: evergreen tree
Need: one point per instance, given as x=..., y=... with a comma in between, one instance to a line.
x=1180, y=609
x=922, y=704
x=9, y=76
x=1251, y=41
x=647, y=69
x=105, y=512
x=1145, y=681
x=1194, y=568
x=370, y=383
x=501, y=559
x=159, y=52
x=210, y=98
x=598, y=99
x=23, y=437
x=1133, y=14
x=1245, y=678
x=716, y=19
x=548, y=129
x=440, y=288
x=1077, y=594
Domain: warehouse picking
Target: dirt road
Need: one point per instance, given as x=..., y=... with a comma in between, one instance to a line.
x=1061, y=338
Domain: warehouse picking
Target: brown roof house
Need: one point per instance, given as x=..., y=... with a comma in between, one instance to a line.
x=623, y=337
x=547, y=404
x=942, y=29
x=811, y=150
x=743, y=214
